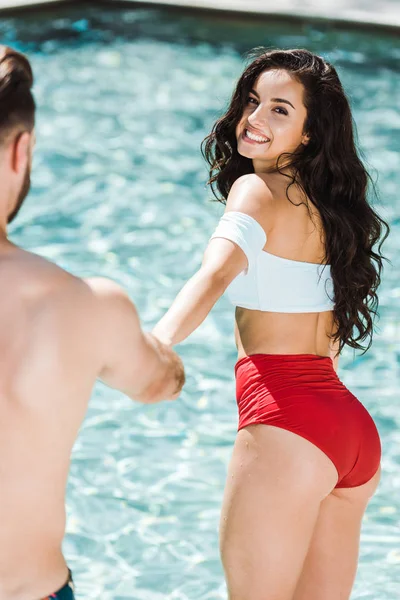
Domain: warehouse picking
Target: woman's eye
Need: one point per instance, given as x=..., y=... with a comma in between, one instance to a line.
x=280, y=110
x=251, y=100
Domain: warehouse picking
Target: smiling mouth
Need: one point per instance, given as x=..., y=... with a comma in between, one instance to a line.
x=249, y=135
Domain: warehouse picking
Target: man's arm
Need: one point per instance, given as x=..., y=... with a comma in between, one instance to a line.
x=134, y=362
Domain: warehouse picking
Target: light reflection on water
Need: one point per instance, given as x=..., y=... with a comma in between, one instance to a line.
x=125, y=98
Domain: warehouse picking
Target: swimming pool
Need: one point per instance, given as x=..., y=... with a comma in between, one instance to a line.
x=125, y=98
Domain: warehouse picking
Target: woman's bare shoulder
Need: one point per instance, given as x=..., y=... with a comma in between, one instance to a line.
x=251, y=195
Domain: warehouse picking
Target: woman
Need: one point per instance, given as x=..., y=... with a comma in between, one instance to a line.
x=295, y=250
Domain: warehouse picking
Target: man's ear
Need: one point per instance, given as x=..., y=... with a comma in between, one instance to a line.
x=21, y=151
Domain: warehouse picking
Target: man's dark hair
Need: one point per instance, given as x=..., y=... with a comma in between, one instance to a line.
x=17, y=106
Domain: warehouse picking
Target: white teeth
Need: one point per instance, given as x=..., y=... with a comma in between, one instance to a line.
x=256, y=138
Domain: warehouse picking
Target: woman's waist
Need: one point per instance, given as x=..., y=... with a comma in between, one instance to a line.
x=282, y=334
x=287, y=375
x=284, y=360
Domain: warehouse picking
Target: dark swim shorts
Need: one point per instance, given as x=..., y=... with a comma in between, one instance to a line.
x=66, y=592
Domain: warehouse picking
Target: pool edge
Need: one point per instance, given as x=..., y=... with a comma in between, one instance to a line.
x=366, y=20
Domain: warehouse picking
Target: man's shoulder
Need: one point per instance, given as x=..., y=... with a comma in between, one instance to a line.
x=49, y=284
x=44, y=287
x=36, y=275
x=109, y=295
x=104, y=287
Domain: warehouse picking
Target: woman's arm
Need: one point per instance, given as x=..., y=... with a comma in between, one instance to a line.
x=223, y=261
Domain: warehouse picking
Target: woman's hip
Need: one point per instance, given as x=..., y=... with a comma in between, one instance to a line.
x=302, y=394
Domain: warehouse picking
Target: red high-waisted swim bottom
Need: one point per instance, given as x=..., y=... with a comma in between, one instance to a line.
x=303, y=394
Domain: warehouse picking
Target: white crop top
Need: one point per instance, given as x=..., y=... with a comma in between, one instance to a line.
x=271, y=283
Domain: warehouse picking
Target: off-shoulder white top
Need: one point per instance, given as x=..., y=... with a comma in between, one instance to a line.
x=271, y=283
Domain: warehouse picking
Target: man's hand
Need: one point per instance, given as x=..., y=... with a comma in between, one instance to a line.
x=168, y=382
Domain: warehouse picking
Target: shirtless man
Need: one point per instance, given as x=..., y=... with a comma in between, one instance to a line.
x=58, y=334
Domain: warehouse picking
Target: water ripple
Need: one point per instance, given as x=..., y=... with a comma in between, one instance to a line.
x=125, y=98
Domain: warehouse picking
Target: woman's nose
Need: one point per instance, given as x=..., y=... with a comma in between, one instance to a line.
x=259, y=120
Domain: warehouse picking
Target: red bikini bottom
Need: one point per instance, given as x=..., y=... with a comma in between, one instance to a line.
x=303, y=394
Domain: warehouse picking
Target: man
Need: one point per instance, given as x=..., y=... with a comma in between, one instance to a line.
x=58, y=334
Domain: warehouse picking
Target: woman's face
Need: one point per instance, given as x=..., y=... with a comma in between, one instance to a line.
x=273, y=119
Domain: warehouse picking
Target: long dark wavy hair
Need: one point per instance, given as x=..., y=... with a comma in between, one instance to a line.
x=329, y=172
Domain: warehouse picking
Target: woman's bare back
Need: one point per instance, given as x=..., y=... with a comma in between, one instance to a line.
x=294, y=231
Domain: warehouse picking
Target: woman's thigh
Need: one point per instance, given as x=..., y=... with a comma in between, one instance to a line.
x=331, y=563
x=276, y=483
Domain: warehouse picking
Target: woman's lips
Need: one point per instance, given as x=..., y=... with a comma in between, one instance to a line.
x=252, y=138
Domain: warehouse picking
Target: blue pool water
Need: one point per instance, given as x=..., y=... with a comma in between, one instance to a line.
x=125, y=98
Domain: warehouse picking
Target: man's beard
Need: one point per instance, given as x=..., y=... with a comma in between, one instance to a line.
x=26, y=186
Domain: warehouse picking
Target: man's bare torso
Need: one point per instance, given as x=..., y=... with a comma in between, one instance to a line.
x=48, y=366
